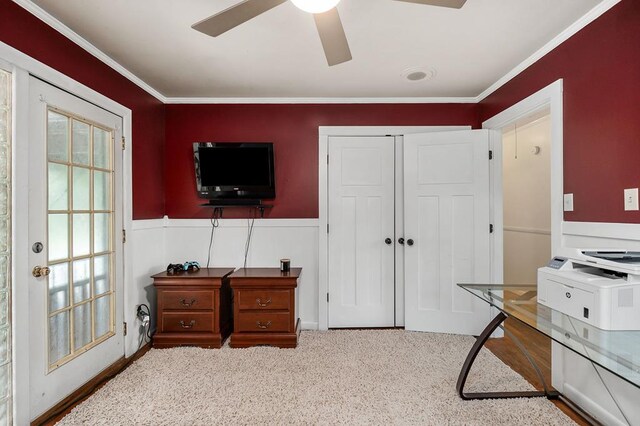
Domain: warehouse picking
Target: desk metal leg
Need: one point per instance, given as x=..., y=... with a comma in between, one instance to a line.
x=466, y=367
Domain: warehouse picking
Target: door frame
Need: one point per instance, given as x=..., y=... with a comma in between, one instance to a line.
x=22, y=66
x=549, y=98
x=324, y=133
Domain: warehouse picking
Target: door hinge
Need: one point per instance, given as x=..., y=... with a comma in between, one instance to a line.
x=124, y=236
x=124, y=328
x=490, y=155
x=491, y=228
x=327, y=158
x=124, y=143
x=327, y=228
x=327, y=297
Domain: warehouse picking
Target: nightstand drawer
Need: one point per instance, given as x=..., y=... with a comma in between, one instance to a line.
x=191, y=300
x=187, y=322
x=264, y=299
x=264, y=322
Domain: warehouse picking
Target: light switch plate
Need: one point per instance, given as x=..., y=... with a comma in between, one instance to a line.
x=631, y=199
x=568, y=202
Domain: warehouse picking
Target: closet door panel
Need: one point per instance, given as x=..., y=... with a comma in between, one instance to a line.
x=361, y=218
x=446, y=210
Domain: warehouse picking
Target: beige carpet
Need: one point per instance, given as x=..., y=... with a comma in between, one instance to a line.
x=335, y=377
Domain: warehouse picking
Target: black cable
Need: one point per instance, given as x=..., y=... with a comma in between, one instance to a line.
x=145, y=311
x=249, y=233
x=214, y=224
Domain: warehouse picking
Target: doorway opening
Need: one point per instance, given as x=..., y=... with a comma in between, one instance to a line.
x=526, y=177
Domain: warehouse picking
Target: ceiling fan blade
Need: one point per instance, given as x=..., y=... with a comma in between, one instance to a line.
x=332, y=36
x=234, y=16
x=456, y=4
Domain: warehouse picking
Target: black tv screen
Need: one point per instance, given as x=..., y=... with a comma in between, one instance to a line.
x=234, y=170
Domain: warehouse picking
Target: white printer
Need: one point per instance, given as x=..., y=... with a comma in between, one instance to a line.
x=601, y=288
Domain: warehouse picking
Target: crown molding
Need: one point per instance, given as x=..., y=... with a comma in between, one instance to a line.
x=578, y=25
x=429, y=100
x=54, y=23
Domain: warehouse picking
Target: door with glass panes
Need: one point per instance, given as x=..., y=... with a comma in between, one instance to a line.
x=75, y=218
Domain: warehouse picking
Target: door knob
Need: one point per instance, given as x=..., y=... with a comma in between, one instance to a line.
x=388, y=241
x=401, y=241
x=40, y=271
x=410, y=242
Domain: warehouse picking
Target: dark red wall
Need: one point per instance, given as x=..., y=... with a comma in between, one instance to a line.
x=25, y=32
x=294, y=131
x=600, y=66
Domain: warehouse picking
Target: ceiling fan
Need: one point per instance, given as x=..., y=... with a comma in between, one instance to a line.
x=328, y=23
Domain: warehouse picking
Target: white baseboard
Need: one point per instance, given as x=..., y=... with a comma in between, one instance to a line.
x=307, y=325
x=590, y=406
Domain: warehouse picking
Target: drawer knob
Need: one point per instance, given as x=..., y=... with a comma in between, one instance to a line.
x=263, y=326
x=265, y=304
x=187, y=304
x=190, y=325
x=568, y=295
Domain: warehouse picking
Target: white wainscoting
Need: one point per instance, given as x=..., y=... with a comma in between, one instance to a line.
x=144, y=256
x=158, y=242
x=272, y=240
x=573, y=375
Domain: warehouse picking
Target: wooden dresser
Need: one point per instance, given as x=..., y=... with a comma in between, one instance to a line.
x=194, y=308
x=265, y=307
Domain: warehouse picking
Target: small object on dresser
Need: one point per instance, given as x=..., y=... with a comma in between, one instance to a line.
x=191, y=266
x=174, y=268
x=285, y=265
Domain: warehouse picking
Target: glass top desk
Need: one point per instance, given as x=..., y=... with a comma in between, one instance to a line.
x=615, y=351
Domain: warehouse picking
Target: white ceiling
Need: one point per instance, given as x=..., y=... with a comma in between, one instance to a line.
x=279, y=54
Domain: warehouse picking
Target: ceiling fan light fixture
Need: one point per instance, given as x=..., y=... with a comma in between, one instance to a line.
x=315, y=6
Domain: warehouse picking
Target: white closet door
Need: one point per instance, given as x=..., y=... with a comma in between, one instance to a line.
x=361, y=218
x=446, y=178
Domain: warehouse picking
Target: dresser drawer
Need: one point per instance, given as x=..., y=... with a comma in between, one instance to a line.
x=191, y=300
x=187, y=322
x=264, y=322
x=264, y=299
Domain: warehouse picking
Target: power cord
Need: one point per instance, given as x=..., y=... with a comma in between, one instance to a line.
x=250, y=223
x=217, y=213
x=144, y=315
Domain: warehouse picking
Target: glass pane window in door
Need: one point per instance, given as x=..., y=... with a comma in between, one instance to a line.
x=58, y=237
x=101, y=190
x=102, y=277
x=101, y=230
x=81, y=325
x=58, y=186
x=81, y=188
x=101, y=148
x=102, y=316
x=81, y=280
x=81, y=234
x=58, y=287
x=57, y=136
x=81, y=143
x=59, y=337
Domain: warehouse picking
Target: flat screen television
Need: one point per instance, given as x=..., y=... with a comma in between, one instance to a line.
x=234, y=173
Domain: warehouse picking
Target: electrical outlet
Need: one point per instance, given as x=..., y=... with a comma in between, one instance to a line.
x=631, y=199
x=568, y=202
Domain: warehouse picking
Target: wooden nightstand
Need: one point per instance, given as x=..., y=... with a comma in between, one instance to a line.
x=194, y=308
x=265, y=307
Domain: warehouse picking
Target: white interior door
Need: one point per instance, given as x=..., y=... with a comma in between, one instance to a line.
x=361, y=231
x=75, y=214
x=446, y=178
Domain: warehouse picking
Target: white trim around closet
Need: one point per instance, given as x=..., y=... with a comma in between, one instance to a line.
x=325, y=132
